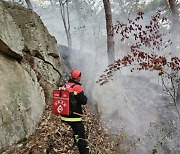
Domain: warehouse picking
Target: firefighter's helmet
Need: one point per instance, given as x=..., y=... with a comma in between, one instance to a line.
x=76, y=74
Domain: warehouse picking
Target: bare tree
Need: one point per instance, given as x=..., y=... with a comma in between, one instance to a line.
x=172, y=4
x=66, y=21
x=137, y=2
x=110, y=38
x=173, y=7
x=21, y=2
x=28, y=2
x=80, y=21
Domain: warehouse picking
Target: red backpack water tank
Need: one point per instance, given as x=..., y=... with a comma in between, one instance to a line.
x=61, y=102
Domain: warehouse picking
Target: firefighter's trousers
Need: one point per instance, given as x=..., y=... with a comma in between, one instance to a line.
x=79, y=135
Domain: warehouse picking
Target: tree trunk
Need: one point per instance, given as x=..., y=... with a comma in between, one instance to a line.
x=137, y=3
x=110, y=39
x=172, y=4
x=175, y=22
x=81, y=23
x=28, y=2
x=66, y=21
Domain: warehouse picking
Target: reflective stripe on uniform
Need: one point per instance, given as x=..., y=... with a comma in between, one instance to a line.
x=76, y=138
x=71, y=119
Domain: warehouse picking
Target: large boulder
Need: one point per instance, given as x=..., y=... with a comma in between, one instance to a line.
x=36, y=36
x=30, y=69
x=21, y=102
x=11, y=39
x=37, y=42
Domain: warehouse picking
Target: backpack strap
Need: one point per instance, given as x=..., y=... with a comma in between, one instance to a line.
x=73, y=85
x=60, y=93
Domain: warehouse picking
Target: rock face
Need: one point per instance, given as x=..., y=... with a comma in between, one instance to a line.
x=29, y=70
x=9, y=32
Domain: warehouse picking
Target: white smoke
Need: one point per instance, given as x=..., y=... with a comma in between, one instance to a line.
x=137, y=106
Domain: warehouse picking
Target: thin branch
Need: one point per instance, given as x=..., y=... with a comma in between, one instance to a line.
x=172, y=96
x=167, y=90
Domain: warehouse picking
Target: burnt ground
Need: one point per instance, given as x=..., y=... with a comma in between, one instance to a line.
x=54, y=137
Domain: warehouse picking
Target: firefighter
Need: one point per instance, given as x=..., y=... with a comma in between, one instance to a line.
x=75, y=119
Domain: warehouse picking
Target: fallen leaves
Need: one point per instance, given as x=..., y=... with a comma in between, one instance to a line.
x=54, y=137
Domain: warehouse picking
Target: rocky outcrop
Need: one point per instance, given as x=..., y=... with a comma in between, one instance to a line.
x=30, y=69
x=11, y=39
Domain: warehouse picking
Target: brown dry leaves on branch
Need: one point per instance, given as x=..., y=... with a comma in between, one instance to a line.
x=54, y=137
x=147, y=36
